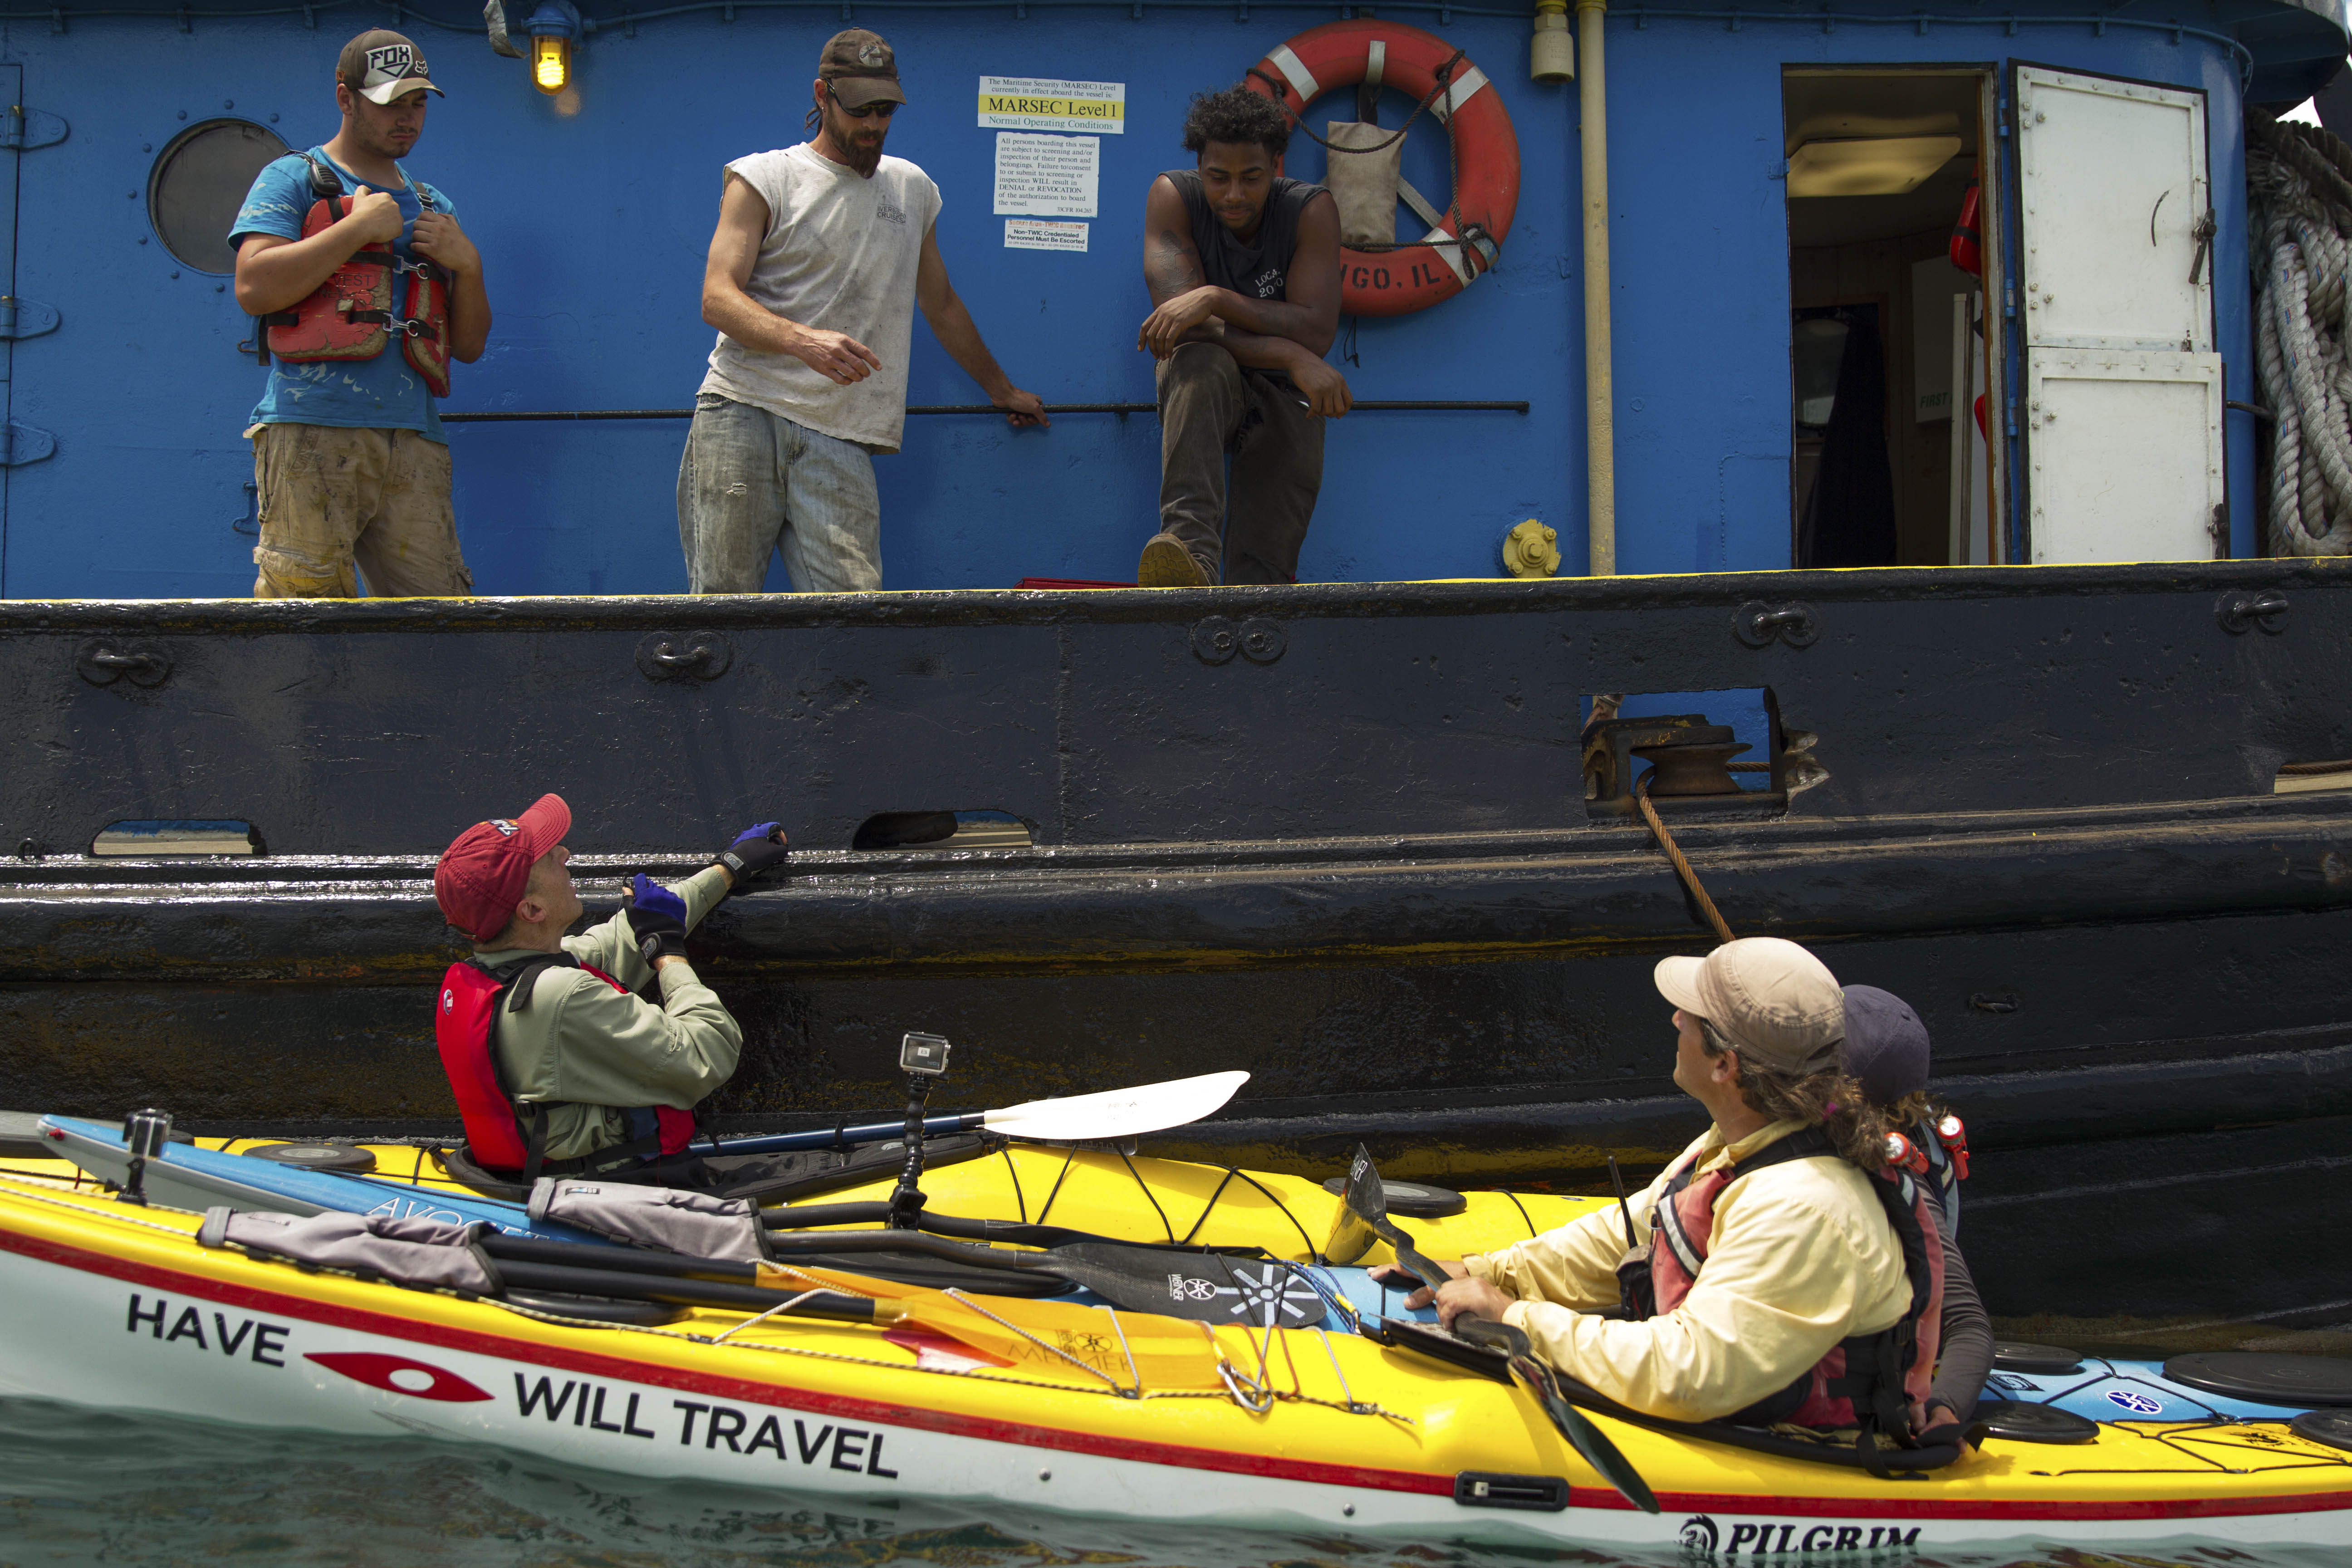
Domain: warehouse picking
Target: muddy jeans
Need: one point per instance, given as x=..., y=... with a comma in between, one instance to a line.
x=751, y=482
x=333, y=498
x=1210, y=407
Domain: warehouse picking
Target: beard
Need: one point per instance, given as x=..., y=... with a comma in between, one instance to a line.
x=859, y=141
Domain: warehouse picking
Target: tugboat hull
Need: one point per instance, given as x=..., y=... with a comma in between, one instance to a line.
x=1336, y=835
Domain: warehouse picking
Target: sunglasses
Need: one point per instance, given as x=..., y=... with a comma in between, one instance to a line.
x=886, y=108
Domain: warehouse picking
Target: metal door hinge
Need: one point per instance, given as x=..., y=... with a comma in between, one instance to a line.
x=23, y=128
x=25, y=318
x=21, y=444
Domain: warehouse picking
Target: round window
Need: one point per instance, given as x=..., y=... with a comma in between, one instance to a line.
x=198, y=184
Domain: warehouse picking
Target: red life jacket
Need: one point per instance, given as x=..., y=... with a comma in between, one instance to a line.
x=462, y=1028
x=1874, y=1383
x=1966, y=246
x=350, y=315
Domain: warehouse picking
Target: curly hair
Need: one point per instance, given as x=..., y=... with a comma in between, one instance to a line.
x=1237, y=114
x=1830, y=1101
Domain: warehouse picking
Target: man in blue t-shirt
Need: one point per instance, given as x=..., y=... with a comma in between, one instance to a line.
x=348, y=454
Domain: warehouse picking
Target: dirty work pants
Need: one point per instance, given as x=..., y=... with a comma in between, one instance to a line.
x=752, y=482
x=1210, y=408
x=333, y=499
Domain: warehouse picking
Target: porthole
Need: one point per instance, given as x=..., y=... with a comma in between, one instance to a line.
x=199, y=182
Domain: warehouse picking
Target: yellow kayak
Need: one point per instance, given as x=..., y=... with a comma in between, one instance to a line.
x=1047, y=1401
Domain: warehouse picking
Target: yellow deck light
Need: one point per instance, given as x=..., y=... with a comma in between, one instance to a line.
x=551, y=62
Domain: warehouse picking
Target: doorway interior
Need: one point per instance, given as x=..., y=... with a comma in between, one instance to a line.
x=1888, y=342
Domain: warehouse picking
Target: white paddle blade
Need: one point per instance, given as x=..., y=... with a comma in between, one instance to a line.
x=1118, y=1112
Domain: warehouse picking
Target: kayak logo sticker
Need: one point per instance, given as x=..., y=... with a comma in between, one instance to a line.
x=1190, y=1287
x=2138, y=1404
x=398, y=1374
x=1705, y=1541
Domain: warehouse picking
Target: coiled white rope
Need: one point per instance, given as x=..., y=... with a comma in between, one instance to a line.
x=2296, y=178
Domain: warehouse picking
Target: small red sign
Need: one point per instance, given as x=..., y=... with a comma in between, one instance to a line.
x=399, y=1374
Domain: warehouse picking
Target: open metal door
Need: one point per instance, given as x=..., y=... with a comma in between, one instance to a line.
x=2123, y=405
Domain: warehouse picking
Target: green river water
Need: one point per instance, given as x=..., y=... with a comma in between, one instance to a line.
x=87, y=1486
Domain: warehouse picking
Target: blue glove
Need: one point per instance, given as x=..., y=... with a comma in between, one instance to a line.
x=755, y=852
x=650, y=896
x=656, y=919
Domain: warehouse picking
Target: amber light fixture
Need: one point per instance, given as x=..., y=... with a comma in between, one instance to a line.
x=1868, y=166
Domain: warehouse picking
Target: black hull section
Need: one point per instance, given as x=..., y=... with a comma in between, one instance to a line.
x=1353, y=856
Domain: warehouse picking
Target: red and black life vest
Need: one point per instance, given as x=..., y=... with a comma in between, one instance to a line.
x=1872, y=1382
x=496, y=1133
x=350, y=315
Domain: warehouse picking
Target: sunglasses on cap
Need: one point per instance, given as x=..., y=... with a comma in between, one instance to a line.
x=886, y=108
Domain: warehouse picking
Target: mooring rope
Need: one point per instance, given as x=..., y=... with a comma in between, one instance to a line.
x=1681, y=864
x=2300, y=180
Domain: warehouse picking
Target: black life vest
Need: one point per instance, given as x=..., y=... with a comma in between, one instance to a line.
x=506, y=1134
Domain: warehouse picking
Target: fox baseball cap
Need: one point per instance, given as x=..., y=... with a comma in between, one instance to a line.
x=483, y=873
x=860, y=68
x=382, y=65
x=1770, y=998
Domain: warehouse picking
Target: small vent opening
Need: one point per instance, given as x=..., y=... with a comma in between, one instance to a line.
x=151, y=840
x=942, y=830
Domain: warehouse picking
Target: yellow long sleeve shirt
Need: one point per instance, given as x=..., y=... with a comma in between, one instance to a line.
x=1800, y=1257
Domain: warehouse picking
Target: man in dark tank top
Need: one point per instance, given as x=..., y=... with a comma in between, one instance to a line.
x=1244, y=270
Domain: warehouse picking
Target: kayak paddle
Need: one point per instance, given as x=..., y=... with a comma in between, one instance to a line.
x=1206, y=1287
x=1537, y=1379
x=186, y=1176
x=1365, y=1200
x=1078, y=1118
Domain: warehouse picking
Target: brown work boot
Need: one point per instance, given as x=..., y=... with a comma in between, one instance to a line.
x=1166, y=563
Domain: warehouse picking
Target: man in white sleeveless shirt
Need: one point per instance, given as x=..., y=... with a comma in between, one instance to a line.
x=823, y=250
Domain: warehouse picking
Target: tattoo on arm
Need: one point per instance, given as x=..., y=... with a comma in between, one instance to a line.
x=1173, y=270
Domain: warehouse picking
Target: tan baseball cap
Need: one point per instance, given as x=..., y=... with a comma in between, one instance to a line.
x=1768, y=997
x=860, y=68
x=381, y=65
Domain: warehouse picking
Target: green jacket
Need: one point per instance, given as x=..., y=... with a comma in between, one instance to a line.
x=595, y=1050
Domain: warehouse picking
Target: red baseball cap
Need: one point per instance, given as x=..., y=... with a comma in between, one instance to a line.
x=482, y=874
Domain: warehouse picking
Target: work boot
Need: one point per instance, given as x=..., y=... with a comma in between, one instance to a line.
x=1166, y=563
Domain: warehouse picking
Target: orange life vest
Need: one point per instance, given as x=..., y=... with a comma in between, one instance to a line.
x=350, y=315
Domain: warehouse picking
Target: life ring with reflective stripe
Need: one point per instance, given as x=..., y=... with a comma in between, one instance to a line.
x=1413, y=277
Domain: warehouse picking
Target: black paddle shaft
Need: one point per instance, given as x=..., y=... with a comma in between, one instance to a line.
x=1206, y=1287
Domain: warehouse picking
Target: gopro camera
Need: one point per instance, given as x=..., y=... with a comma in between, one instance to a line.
x=923, y=1053
x=148, y=1132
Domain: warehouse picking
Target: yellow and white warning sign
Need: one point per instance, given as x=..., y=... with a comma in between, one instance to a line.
x=1042, y=104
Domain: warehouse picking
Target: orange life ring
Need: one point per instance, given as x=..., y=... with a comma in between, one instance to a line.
x=1486, y=153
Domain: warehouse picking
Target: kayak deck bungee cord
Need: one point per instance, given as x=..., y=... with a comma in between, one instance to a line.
x=1057, y=1402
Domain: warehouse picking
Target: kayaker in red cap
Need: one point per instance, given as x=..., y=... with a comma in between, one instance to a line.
x=1772, y=1273
x=558, y=1067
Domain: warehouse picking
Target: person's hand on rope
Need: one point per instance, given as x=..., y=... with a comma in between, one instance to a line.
x=1176, y=319
x=656, y=919
x=756, y=851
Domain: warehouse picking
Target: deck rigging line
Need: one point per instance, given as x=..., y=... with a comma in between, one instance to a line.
x=1682, y=865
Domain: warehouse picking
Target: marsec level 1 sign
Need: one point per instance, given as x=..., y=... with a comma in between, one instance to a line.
x=1042, y=103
